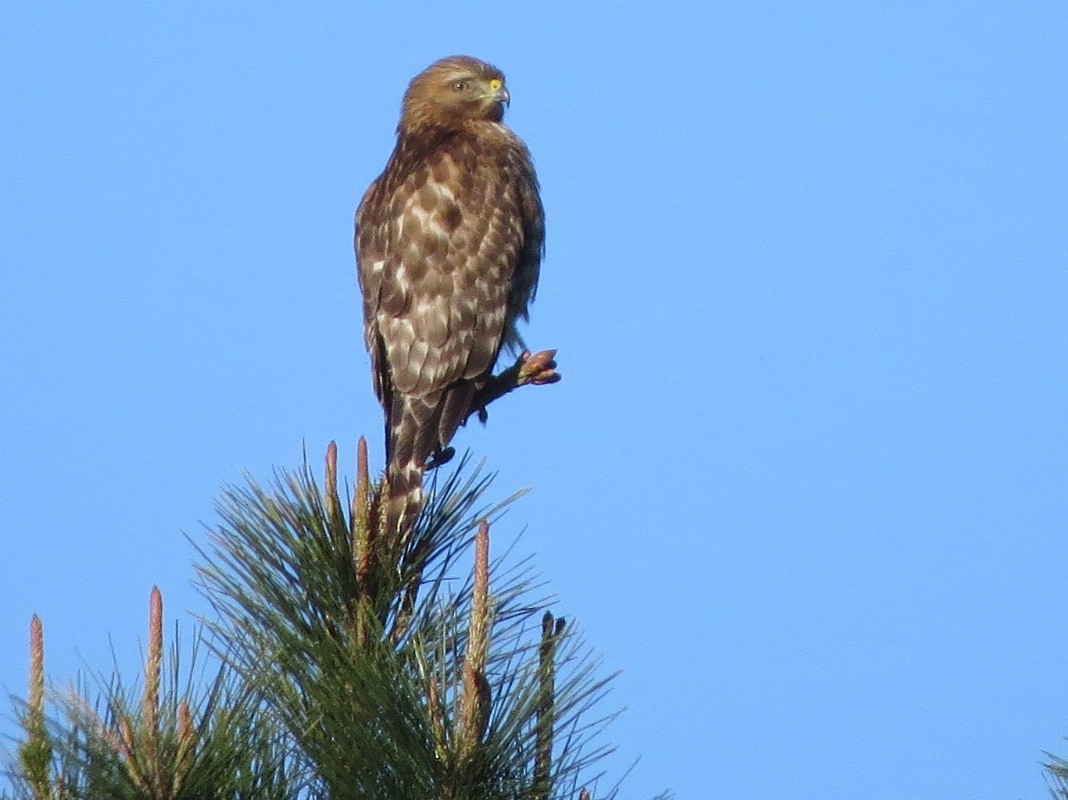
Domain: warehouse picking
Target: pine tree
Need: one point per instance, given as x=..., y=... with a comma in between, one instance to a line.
x=1055, y=770
x=348, y=664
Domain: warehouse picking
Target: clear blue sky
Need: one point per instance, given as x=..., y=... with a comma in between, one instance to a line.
x=806, y=478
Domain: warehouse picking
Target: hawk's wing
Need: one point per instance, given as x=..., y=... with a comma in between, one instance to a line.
x=448, y=241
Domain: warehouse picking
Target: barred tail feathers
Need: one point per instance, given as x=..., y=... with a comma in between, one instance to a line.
x=405, y=499
x=411, y=437
x=417, y=428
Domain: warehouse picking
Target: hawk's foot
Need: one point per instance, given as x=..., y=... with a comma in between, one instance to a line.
x=538, y=369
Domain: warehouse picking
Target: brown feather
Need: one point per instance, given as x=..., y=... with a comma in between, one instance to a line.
x=449, y=240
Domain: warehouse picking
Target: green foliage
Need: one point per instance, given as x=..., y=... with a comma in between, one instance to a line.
x=367, y=675
x=1056, y=770
x=192, y=744
x=346, y=661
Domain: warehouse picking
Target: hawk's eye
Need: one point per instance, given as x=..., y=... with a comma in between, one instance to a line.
x=460, y=86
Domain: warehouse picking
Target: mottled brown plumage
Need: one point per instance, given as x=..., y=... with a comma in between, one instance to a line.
x=448, y=240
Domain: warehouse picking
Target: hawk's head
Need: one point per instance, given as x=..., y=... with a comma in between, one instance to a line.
x=453, y=91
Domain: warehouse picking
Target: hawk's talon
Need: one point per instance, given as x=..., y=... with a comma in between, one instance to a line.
x=440, y=457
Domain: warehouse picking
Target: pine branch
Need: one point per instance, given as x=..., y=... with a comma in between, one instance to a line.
x=35, y=754
x=355, y=665
x=171, y=743
x=441, y=683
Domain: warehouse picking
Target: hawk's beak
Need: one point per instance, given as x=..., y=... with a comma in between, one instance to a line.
x=497, y=93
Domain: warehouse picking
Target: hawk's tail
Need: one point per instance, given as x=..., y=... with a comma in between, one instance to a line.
x=405, y=498
x=408, y=446
x=416, y=429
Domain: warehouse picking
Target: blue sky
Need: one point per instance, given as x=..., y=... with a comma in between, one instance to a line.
x=806, y=478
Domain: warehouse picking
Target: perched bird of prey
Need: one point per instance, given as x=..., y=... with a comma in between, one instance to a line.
x=449, y=239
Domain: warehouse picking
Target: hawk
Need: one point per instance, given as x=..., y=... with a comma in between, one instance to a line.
x=449, y=240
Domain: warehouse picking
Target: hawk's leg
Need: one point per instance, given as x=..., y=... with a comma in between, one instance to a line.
x=537, y=369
